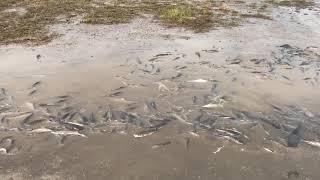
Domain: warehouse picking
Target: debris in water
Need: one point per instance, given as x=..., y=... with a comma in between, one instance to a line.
x=198, y=81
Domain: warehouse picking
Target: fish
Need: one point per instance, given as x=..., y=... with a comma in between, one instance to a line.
x=27, y=118
x=162, y=54
x=69, y=133
x=198, y=81
x=162, y=87
x=181, y=67
x=108, y=114
x=36, y=84
x=63, y=96
x=181, y=119
x=177, y=76
x=41, y=130
x=210, y=51
x=313, y=143
x=211, y=105
x=3, y=91
x=176, y=58
x=198, y=54
x=36, y=121
x=32, y=92
x=115, y=94
x=161, y=144
x=92, y=118
x=194, y=99
x=30, y=105
x=218, y=150
x=187, y=143
x=151, y=105
x=145, y=132
x=138, y=60
x=74, y=126
x=153, y=59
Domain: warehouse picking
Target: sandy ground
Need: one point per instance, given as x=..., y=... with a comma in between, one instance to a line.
x=229, y=100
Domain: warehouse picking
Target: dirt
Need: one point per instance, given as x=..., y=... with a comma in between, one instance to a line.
x=139, y=100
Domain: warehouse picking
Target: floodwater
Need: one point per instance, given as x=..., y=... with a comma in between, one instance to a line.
x=139, y=101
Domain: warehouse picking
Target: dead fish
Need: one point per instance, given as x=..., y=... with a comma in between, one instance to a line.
x=115, y=94
x=285, y=77
x=108, y=114
x=83, y=118
x=304, y=63
x=162, y=54
x=198, y=81
x=27, y=118
x=177, y=76
x=306, y=78
x=63, y=96
x=38, y=56
x=194, y=99
x=74, y=126
x=198, y=54
x=119, y=88
x=34, y=122
x=138, y=61
x=211, y=105
x=236, y=61
x=176, y=58
x=152, y=59
x=69, y=133
x=3, y=91
x=145, y=132
x=151, y=105
x=181, y=67
x=61, y=100
x=30, y=106
x=32, y=92
x=36, y=84
x=256, y=72
x=161, y=144
x=187, y=143
x=162, y=87
x=210, y=51
x=41, y=130
x=92, y=118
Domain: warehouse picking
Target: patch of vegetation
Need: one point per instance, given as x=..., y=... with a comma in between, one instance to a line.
x=32, y=26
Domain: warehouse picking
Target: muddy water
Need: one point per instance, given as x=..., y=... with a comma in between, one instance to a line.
x=217, y=105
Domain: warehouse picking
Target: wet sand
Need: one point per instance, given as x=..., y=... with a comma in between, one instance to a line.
x=216, y=105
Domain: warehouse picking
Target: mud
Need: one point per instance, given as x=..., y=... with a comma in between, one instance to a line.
x=140, y=101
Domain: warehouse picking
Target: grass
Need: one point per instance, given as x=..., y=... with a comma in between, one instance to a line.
x=32, y=26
